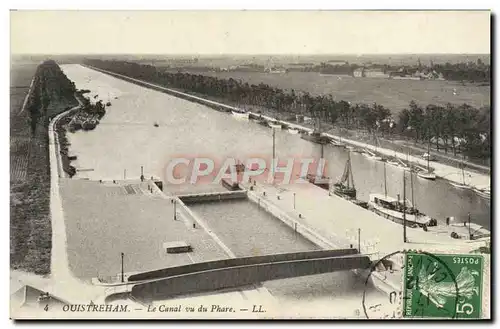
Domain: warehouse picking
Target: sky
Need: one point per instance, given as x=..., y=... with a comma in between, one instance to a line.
x=250, y=32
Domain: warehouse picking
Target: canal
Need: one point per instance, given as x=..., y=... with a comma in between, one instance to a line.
x=127, y=139
x=249, y=230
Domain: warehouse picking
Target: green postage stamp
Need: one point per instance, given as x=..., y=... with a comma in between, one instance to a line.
x=442, y=286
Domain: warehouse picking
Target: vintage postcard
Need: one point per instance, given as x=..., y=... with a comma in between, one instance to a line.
x=250, y=165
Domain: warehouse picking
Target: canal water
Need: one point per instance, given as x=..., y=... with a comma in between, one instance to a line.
x=127, y=139
x=249, y=230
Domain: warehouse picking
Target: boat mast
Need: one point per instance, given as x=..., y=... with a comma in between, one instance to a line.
x=411, y=184
x=274, y=143
x=463, y=174
x=274, y=151
x=350, y=171
x=428, y=155
x=407, y=150
x=385, y=181
x=404, y=206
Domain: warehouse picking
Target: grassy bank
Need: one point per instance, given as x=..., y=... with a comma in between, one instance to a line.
x=30, y=225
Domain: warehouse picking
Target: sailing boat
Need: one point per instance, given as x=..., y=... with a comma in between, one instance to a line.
x=319, y=180
x=345, y=186
x=369, y=154
x=397, y=210
x=315, y=136
x=462, y=185
x=338, y=143
x=240, y=115
x=483, y=192
x=427, y=174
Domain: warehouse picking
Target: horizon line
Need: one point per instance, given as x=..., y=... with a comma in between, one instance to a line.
x=248, y=54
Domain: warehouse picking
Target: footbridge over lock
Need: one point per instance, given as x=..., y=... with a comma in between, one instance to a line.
x=233, y=273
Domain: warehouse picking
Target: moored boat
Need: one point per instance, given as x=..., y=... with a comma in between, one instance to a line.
x=399, y=211
x=262, y=121
x=462, y=185
x=429, y=157
x=484, y=193
x=274, y=125
x=316, y=137
x=426, y=175
x=89, y=124
x=76, y=124
x=70, y=128
x=320, y=181
x=345, y=186
x=393, y=162
x=370, y=155
x=240, y=115
x=355, y=150
x=337, y=143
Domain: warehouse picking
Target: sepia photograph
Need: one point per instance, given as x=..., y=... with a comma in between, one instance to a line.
x=306, y=164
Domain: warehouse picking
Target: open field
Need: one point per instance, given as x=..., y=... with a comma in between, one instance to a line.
x=20, y=80
x=262, y=59
x=394, y=94
x=30, y=227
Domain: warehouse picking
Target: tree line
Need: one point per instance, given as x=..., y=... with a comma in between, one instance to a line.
x=466, y=72
x=456, y=127
x=49, y=84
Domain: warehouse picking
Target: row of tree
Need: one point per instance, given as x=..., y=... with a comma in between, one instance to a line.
x=461, y=126
x=50, y=83
x=457, y=127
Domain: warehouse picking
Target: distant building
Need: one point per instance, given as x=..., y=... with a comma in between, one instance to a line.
x=396, y=74
x=337, y=62
x=275, y=70
x=359, y=73
x=375, y=73
x=369, y=73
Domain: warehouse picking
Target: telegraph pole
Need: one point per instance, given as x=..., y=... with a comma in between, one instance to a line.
x=274, y=152
x=175, y=209
x=404, y=207
x=359, y=240
x=123, y=276
x=470, y=235
x=385, y=182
